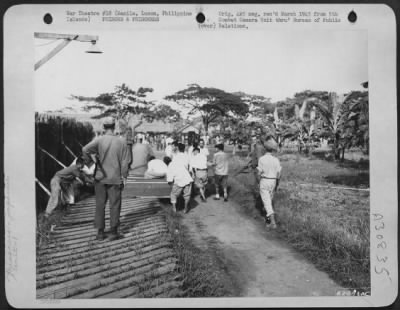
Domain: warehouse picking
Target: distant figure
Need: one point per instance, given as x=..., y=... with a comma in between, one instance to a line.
x=198, y=166
x=220, y=163
x=141, y=154
x=129, y=143
x=157, y=168
x=62, y=185
x=112, y=159
x=257, y=150
x=269, y=173
x=179, y=177
x=203, y=148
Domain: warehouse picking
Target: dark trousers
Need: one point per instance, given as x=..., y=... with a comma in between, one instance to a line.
x=130, y=155
x=112, y=192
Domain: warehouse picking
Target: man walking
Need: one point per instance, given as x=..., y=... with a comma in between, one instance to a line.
x=269, y=173
x=199, y=169
x=112, y=158
x=179, y=177
x=220, y=163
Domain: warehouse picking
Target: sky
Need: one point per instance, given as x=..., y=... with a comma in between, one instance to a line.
x=275, y=64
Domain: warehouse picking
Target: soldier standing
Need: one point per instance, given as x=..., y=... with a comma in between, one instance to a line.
x=112, y=159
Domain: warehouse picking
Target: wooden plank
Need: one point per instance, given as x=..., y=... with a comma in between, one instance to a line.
x=85, y=257
x=76, y=266
x=51, y=54
x=128, y=279
x=101, y=260
x=133, y=266
x=144, y=259
x=83, y=240
x=81, y=248
x=57, y=36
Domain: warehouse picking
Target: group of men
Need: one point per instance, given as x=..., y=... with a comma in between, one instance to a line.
x=182, y=166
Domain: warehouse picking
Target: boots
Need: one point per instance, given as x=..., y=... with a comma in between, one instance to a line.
x=100, y=234
x=270, y=221
x=114, y=235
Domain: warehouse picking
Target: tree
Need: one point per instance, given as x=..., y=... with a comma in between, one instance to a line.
x=342, y=116
x=209, y=103
x=166, y=113
x=123, y=103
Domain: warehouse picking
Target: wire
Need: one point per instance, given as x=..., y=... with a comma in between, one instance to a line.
x=47, y=43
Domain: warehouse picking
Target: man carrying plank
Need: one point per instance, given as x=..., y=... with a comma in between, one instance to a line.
x=62, y=184
x=112, y=160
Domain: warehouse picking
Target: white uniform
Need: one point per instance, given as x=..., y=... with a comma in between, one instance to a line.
x=269, y=169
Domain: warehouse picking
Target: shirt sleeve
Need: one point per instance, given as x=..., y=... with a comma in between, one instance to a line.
x=89, y=149
x=170, y=173
x=279, y=168
x=259, y=169
x=125, y=161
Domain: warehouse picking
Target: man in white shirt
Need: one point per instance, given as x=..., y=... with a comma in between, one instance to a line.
x=179, y=177
x=181, y=156
x=269, y=173
x=169, y=140
x=221, y=167
x=198, y=165
x=156, y=168
x=203, y=149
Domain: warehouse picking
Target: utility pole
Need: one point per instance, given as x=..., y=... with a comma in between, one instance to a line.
x=66, y=39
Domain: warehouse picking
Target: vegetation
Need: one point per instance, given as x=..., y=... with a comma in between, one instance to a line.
x=209, y=103
x=123, y=103
x=330, y=226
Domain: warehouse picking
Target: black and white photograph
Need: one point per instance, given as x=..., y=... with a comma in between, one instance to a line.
x=188, y=163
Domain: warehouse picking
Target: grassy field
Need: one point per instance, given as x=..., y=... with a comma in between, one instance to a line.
x=330, y=226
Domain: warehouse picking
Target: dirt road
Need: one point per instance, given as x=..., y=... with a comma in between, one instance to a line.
x=256, y=261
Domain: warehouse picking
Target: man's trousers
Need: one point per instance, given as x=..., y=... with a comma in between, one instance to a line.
x=104, y=192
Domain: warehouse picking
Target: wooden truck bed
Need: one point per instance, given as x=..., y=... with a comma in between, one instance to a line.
x=138, y=186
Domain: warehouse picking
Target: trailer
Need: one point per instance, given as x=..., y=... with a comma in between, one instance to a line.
x=139, y=186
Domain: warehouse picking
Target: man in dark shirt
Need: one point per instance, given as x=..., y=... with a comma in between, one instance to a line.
x=61, y=184
x=257, y=150
x=110, y=178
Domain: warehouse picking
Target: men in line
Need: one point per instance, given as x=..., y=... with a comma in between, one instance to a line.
x=179, y=177
x=112, y=159
x=62, y=185
x=269, y=173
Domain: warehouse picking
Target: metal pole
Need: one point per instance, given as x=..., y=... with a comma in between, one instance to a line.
x=55, y=159
x=43, y=187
